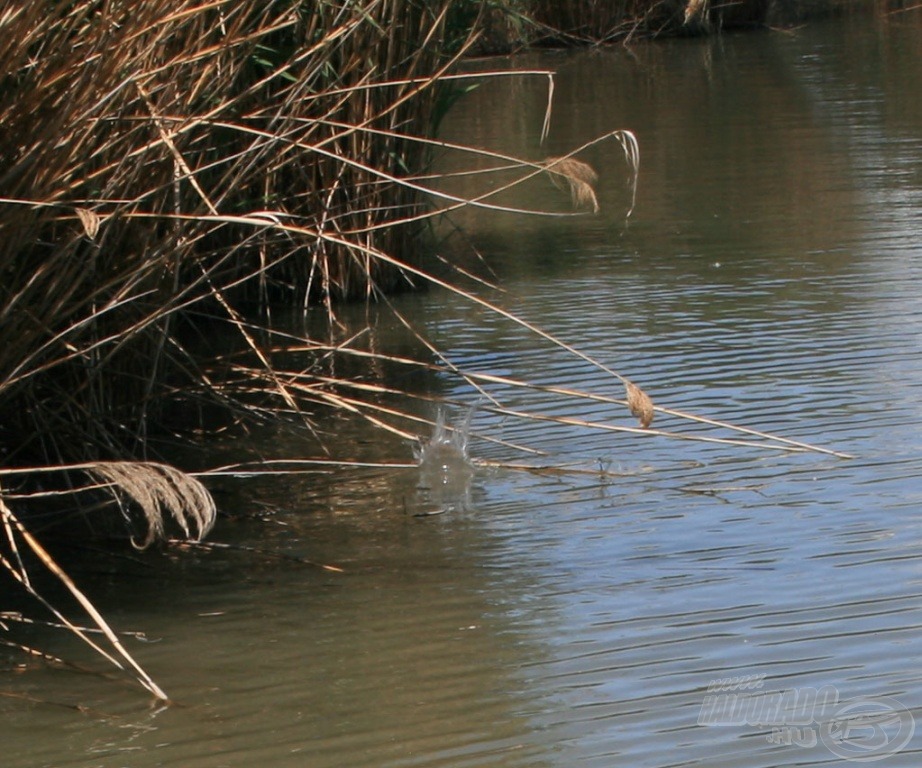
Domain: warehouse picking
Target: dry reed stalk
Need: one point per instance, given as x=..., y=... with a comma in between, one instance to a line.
x=158, y=490
x=773, y=442
x=639, y=403
x=212, y=546
x=645, y=409
x=117, y=655
x=295, y=466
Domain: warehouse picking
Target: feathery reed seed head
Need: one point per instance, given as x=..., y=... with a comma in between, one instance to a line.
x=639, y=403
x=576, y=177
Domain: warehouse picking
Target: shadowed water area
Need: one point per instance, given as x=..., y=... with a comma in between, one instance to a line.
x=770, y=276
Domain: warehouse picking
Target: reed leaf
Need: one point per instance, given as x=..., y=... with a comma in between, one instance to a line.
x=695, y=9
x=90, y=221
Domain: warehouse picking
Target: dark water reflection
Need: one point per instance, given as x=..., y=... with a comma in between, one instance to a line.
x=769, y=277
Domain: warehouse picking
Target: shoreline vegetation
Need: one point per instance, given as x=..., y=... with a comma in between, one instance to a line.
x=506, y=26
x=172, y=168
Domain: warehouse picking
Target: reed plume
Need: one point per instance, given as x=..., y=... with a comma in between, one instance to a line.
x=639, y=403
x=160, y=492
x=576, y=177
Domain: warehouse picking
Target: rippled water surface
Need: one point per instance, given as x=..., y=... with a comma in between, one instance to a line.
x=769, y=277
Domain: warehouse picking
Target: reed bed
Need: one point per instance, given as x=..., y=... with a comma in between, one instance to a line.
x=149, y=151
x=149, y=148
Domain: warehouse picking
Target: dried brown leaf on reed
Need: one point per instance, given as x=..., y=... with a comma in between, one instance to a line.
x=575, y=177
x=639, y=403
x=90, y=221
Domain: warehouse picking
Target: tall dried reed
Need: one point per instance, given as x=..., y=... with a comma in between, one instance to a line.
x=136, y=137
x=148, y=152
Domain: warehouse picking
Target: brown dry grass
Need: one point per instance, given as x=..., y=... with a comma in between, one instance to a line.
x=135, y=141
x=639, y=404
x=576, y=177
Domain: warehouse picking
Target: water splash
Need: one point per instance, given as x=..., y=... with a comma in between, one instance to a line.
x=445, y=467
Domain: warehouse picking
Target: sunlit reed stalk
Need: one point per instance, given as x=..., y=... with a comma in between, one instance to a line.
x=554, y=341
x=15, y=533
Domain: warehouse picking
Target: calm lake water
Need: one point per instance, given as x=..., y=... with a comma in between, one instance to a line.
x=770, y=277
